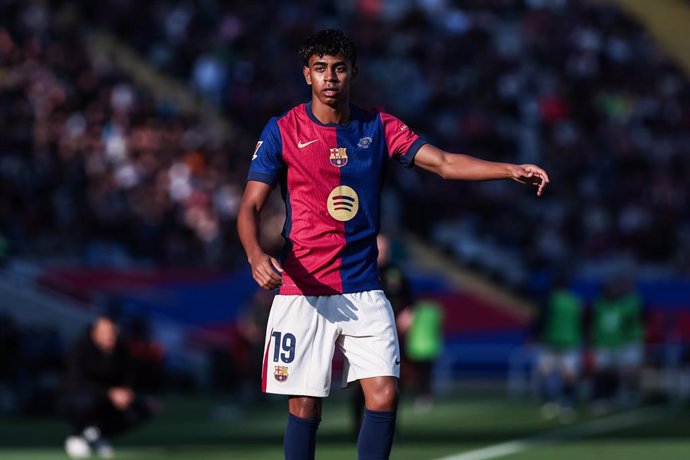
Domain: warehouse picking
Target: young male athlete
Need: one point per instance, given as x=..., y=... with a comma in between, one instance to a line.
x=328, y=157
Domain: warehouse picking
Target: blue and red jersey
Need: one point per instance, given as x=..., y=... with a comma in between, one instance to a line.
x=331, y=178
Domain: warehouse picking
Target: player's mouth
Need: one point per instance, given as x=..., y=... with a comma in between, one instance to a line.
x=330, y=92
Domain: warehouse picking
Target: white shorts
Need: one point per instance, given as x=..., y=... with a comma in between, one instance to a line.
x=627, y=356
x=566, y=362
x=302, y=334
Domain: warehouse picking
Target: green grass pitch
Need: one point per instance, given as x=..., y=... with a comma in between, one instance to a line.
x=187, y=428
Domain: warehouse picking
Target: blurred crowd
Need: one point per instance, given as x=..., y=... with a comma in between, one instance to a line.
x=577, y=87
x=91, y=165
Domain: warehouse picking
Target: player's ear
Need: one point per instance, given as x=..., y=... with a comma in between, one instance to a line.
x=307, y=75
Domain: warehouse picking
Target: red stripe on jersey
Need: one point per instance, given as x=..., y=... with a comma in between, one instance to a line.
x=264, y=371
x=313, y=264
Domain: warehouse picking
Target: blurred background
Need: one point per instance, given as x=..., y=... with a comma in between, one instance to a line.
x=126, y=130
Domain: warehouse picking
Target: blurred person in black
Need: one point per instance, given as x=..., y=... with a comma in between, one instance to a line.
x=98, y=398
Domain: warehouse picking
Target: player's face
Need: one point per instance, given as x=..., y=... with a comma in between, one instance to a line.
x=329, y=78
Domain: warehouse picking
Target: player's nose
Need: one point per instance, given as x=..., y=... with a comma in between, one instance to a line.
x=331, y=75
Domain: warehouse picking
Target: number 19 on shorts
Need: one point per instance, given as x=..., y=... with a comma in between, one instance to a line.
x=283, y=347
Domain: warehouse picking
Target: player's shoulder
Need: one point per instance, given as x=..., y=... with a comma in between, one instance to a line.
x=273, y=125
x=294, y=112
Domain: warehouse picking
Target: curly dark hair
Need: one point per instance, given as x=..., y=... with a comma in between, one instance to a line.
x=329, y=42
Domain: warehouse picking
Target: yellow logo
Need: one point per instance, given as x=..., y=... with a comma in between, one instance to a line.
x=280, y=373
x=338, y=156
x=343, y=203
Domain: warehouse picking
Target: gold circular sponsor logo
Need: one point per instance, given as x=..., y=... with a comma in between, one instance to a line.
x=343, y=203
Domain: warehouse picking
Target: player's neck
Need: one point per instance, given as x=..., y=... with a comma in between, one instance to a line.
x=327, y=114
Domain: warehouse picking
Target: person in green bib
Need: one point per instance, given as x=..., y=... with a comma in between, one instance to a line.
x=424, y=345
x=618, y=340
x=559, y=328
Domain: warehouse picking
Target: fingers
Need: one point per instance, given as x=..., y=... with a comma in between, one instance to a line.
x=544, y=180
x=540, y=176
x=267, y=274
x=276, y=265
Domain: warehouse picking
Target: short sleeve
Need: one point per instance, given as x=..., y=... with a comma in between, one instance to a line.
x=402, y=143
x=267, y=161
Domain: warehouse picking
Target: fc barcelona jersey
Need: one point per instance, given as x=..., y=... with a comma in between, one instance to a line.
x=331, y=177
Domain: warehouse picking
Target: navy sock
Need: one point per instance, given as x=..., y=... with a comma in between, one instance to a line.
x=300, y=438
x=376, y=436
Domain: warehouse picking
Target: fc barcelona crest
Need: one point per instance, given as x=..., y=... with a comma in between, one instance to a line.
x=339, y=157
x=280, y=373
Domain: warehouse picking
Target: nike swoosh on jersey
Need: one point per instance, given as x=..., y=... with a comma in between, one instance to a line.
x=301, y=145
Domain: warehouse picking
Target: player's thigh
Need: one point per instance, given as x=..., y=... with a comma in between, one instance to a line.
x=299, y=347
x=369, y=341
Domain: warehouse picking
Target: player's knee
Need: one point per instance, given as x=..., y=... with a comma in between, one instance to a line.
x=305, y=407
x=385, y=398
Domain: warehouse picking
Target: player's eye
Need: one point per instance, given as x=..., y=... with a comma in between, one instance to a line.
x=319, y=68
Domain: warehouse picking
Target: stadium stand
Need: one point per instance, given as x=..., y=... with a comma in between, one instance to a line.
x=579, y=87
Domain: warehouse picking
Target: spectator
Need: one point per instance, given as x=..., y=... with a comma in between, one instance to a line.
x=98, y=399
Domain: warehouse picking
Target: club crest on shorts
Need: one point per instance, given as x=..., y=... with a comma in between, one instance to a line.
x=338, y=157
x=280, y=373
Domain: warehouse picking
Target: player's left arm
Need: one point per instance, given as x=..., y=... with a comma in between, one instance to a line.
x=455, y=166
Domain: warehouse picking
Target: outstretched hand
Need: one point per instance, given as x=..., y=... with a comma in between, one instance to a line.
x=531, y=174
x=267, y=272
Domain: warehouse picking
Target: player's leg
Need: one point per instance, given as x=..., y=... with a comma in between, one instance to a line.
x=380, y=393
x=300, y=432
x=372, y=356
x=88, y=412
x=378, y=426
x=299, y=348
x=548, y=382
x=357, y=407
x=569, y=370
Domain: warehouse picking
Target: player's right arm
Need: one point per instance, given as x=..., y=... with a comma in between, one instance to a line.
x=265, y=269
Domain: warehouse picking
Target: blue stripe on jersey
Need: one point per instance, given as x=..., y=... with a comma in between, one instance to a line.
x=359, y=272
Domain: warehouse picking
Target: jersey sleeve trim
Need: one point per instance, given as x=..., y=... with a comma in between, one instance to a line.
x=412, y=152
x=260, y=177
